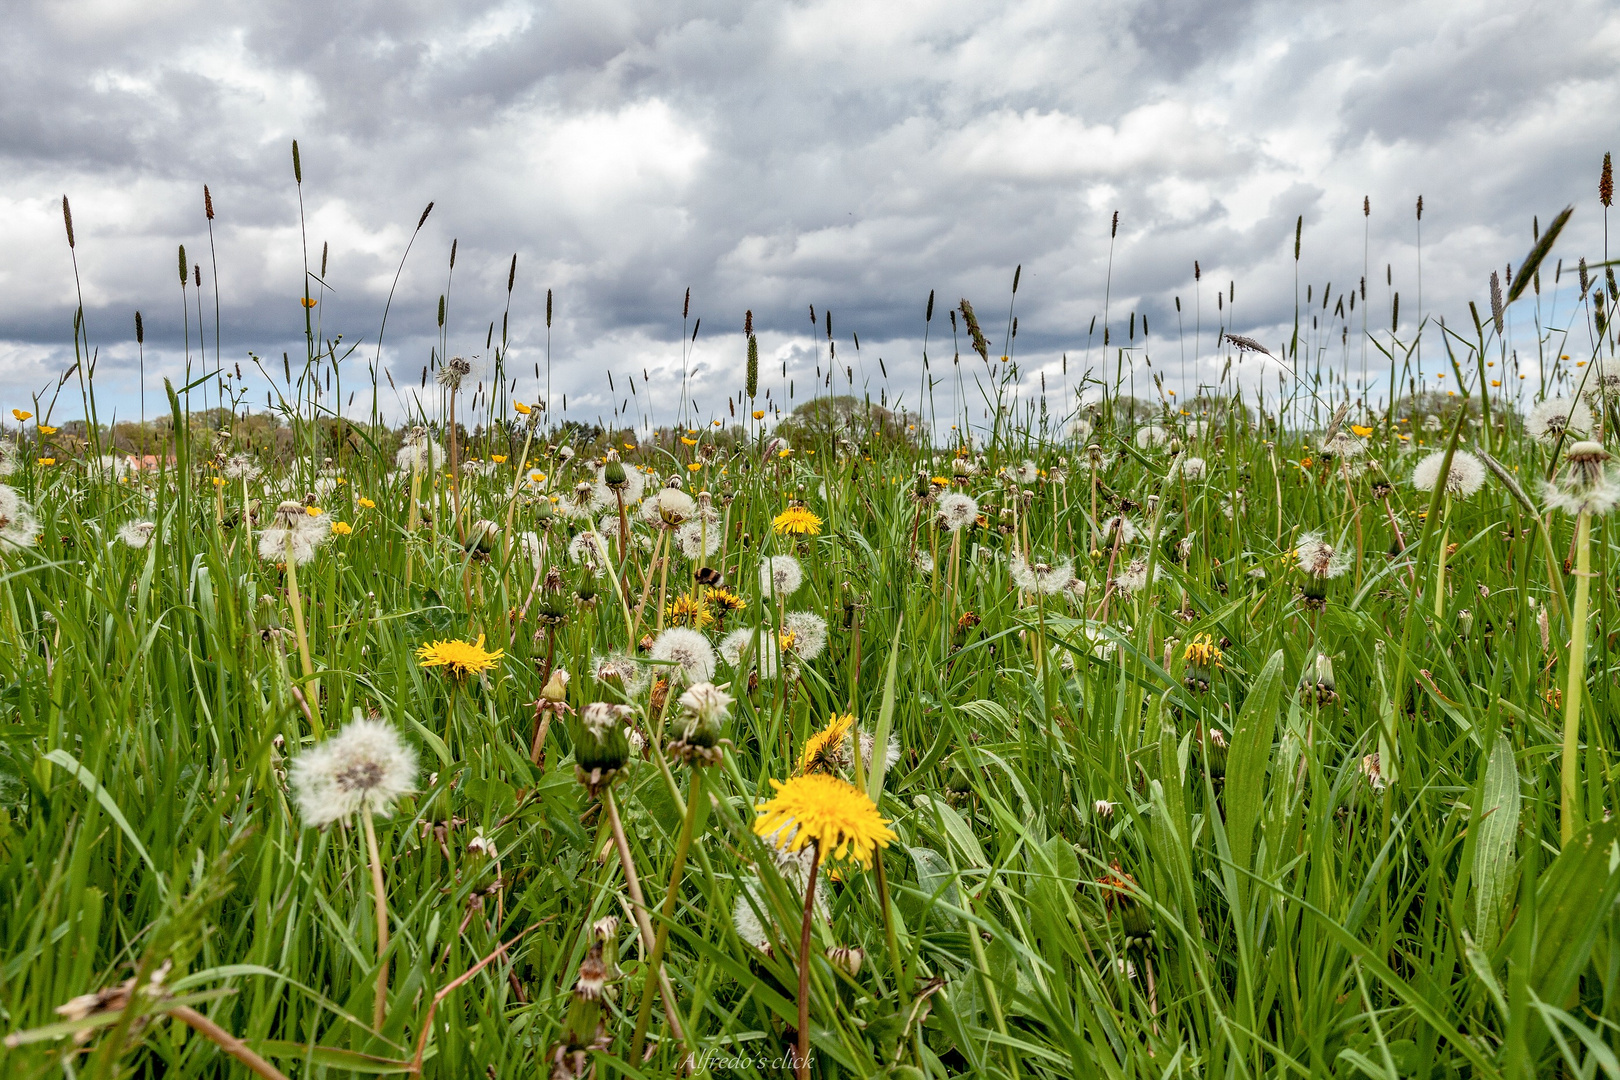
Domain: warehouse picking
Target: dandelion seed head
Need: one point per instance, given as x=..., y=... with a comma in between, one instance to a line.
x=780, y=575
x=1151, y=437
x=754, y=641
x=1558, y=417
x=365, y=765
x=1318, y=559
x=136, y=534
x=688, y=650
x=957, y=509
x=1467, y=473
x=809, y=632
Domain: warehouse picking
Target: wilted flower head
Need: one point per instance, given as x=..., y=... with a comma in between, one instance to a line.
x=686, y=649
x=1585, y=487
x=241, y=467
x=1344, y=446
x=1120, y=528
x=780, y=575
x=1026, y=473
x=1466, y=476
x=1373, y=771
x=1042, y=578
x=957, y=509
x=1193, y=468
x=623, y=673
x=704, y=710
x=136, y=534
x=420, y=452
x=706, y=702
x=364, y=766
x=454, y=370
x=293, y=534
x=1134, y=577
x=1558, y=417
x=1318, y=558
x=589, y=549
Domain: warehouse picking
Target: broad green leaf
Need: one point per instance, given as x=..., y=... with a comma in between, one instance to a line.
x=1496, y=820
x=1249, y=757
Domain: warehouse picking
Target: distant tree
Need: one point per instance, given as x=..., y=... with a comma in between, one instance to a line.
x=846, y=417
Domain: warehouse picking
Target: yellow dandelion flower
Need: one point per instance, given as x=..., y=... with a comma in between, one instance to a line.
x=827, y=750
x=307, y=301
x=459, y=658
x=1361, y=430
x=46, y=429
x=688, y=611
x=313, y=511
x=46, y=461
x=694, y=466
x=1202, y=651
x=796, y=521
x=499, y=459
x=723, y=600
x=759, y=414
x=836, y=816
x=523, y=410
x=219, y=481
x=341, y=528
x=365, y=503
x=688, y=442
x=21, y=416
x=784, y=452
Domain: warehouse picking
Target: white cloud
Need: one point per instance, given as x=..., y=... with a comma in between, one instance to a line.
x=773, y=156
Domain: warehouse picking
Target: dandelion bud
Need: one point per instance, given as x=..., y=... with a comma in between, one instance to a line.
x=481, y=537
x=705, y=708
x=1318, y=685
x=556, y=688
x=613, y=474
x=1215, y=747
x=600, y=745
x=847, y=957
x=582, y=1027
x=1119, y=899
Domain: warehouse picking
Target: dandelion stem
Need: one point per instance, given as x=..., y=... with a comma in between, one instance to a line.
x=682, y=846
x=1575, y=685
x=1440, y=563
x=801, y=1063
x=379, y=892
x=295, y=601
x=225, y=1041
x=638, y=906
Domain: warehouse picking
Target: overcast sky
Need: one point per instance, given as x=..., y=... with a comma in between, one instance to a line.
x=772, y=156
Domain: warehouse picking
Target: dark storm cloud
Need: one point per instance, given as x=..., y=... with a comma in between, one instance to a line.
x=772, y=156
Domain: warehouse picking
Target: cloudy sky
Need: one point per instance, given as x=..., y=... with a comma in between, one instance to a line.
x=846, y=155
